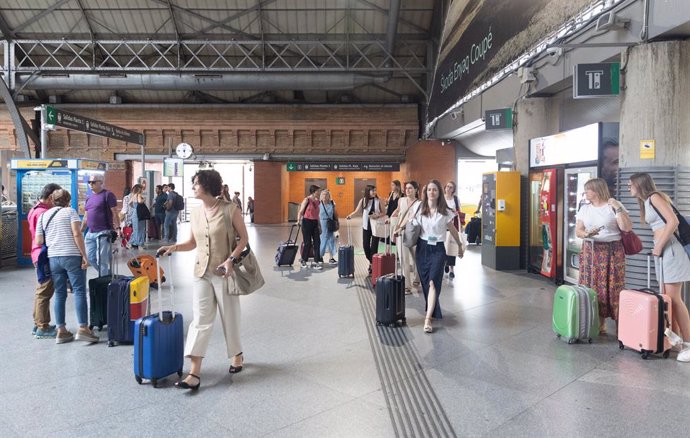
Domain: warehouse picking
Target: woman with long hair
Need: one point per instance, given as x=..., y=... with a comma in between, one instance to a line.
x=454, y=206
x=327, y=211
x=602, y=261
x=656, y=210
x=370, y=206
x=136, y=197
x=213, y=270
x=435, y=219
x=308, y=216
x=407, y=206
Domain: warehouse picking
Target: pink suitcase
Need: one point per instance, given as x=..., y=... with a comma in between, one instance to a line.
x=382, y=264
x=643, y=316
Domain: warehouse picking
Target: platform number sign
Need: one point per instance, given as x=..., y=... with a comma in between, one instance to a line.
x=498, y=119
x=596, y=80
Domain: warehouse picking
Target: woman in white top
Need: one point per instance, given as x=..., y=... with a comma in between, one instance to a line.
x=60, y=229
x=602, y=260
x=454, y=206
x=656, y=210
x=435, y=219
x=406, y=205
x=370, y=206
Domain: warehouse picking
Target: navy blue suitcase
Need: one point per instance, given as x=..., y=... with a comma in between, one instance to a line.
x=390, y=299
x=287, y=250
x=346, y=257
x=120, y=327
x=159, y=341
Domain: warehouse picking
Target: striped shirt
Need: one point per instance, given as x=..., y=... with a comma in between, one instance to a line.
x=58, y=236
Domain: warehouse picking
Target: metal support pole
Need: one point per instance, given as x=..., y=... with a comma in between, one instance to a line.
x=44, y=133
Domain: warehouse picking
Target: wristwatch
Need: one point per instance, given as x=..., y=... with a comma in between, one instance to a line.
x=233, y=260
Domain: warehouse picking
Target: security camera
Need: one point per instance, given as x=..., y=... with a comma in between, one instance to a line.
x=453, y=115
x=554, y=51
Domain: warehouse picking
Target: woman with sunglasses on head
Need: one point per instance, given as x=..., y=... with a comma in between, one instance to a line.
x=656, y=210
x=407, y=206
x=213, y=271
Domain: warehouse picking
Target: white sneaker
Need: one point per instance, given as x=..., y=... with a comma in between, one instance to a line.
x=318, y=266
x=684, y=356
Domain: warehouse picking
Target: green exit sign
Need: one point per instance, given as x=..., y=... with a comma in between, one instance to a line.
x=340, y=180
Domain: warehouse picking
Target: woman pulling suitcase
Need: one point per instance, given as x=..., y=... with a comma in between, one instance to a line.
x=214, y=264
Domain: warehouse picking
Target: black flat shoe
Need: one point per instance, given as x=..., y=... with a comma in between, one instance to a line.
x=181, y=384
x=236, y=369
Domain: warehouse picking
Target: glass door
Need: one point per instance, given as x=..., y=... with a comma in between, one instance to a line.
x=573, y=196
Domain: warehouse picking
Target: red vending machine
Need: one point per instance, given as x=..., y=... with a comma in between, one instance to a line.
x=544, y=222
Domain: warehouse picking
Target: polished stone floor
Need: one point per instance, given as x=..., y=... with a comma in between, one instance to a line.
x=318, y=366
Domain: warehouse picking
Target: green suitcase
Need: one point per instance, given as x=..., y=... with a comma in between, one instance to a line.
x=575, y=313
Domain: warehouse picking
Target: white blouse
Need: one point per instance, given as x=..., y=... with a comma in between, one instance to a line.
x=434, y=227
x=595, y=217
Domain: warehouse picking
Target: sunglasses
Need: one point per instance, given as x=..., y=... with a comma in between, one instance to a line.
x=94, y=182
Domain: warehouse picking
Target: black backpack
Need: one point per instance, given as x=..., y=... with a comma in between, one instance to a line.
x=178, y=203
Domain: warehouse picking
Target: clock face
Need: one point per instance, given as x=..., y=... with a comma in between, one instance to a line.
x=184, y=150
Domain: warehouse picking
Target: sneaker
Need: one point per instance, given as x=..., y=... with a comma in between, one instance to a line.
x=304, y=263
x=318, y=266
x=332, y=262
x=451, y=275
x=87, y=336
x=684, y=356
x=64, y=337
x=33, y=331
x=47, y=333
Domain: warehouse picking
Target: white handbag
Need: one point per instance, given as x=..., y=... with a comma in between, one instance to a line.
x=378, y=227
x=451, y=245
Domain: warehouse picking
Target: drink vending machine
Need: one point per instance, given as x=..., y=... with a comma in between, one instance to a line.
x=33, y=174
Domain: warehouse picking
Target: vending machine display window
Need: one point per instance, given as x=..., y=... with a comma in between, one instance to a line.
x=574, y=197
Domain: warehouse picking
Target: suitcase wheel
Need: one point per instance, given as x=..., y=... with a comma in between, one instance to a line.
x=620, y=345
x=571, y=341
x=155, y=383
x=666, y=354
x=589, y=340
x=645, y=354
x=378, y=323
x=111, y=343
x=558, y=336
x=138, y=379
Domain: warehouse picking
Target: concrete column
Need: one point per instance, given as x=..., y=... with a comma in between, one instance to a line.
x=535, y=118
x=270, y=207
x=655, y=103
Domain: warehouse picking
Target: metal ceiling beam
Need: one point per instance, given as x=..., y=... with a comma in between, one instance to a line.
x=233, y=17
x=40, y=15
x=402, y=20
x=7, y=33
x=393, y=15
x=172, y=17
x=17, y=118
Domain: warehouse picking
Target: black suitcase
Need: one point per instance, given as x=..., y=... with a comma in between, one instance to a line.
x=474, y=230
x=98, y=296
x=390, y=297
x=346, y=257
x=287, y=250
x=120, y=330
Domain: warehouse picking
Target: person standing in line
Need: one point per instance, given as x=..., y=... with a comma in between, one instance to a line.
x=213, y=274
x=656, y=210
x=309, y=218
x=407, y=205
x=225, y=195
x=237, y=201
x=101, y=218
x=159, y=208
x=60, y=229
x=250, y=208
x=435, y=219
x=454, y=207
x=138, y=225
x=171, y=214
x=44, y=290
x=327, y=211
x=602, y=261
x=370, y=206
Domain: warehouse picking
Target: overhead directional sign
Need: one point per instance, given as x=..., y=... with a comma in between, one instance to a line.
x=596, y=80
x=342, y=167
x=62, y=118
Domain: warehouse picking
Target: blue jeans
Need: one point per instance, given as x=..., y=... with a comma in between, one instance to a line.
x=62, y=268
x=430, y=260
x=327, y=241
x=138, y=229
x=98, y=251
x=170, y=227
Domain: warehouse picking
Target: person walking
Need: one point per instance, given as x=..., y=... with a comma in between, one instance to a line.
x=159, y=208
x=602, y=260
x=171, y=214
x=44, y=289
x=327, y=211
x=60, y=229
x=101, y=218
x=138, y=225
x=308, y=216
x=213, y=271
x=435, y=219
x=250, y=208
x=453, y=206
x=370, y=206
x=656, y=210
x=407, y=206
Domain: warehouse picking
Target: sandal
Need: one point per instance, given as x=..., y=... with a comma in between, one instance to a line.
x=234, y=369
x=182, y=384
x=427, y=326
x=408, y=291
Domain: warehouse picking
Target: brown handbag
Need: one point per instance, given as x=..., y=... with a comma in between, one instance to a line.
x=631, y=242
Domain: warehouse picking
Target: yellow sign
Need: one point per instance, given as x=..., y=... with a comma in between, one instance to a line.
x=647, y=149
x=95, y=165
x=36, y=164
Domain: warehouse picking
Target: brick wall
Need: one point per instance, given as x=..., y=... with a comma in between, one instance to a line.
x=268, y=193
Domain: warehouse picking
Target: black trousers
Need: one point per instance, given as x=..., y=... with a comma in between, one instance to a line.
x=312, y=240
x=370, y=243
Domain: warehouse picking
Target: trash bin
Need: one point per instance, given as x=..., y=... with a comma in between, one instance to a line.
x=293, y=209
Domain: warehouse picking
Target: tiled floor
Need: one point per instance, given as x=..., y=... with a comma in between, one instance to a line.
x=317, y=365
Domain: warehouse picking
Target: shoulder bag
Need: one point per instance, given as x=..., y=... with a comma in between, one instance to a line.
x=682, y=233
x=412, y=230
x=332, y=223
x=42, y=263
x=247, y=274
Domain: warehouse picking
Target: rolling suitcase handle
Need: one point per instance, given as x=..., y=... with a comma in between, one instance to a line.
x=160, y=286
x=591, y=265
x=296, y=235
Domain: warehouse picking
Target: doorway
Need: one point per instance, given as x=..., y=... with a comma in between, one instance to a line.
x=360, y=185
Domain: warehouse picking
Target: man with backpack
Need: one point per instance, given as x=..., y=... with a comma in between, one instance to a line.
x=173, y=206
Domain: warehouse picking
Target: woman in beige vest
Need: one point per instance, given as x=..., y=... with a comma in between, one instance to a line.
x=213, y=272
